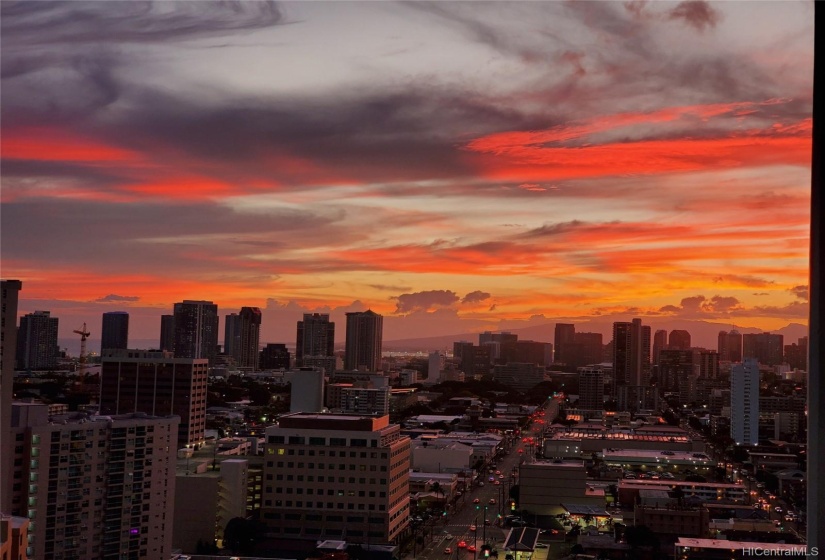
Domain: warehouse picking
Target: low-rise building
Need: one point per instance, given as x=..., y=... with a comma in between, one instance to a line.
x=545, y=486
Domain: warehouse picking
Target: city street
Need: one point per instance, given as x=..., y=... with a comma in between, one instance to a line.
x=456, y=526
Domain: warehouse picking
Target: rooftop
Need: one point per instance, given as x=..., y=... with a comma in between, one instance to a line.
x=737, y=545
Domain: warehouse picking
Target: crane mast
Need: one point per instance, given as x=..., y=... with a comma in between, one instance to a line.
x=82, y=360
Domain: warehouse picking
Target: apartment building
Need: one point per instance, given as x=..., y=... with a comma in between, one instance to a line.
x=336, y=476
x=94, y=487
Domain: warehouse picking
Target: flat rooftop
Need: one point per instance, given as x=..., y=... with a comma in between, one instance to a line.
x=338, y=422
x=738, y=545
x=655, y=455
x=648, y=484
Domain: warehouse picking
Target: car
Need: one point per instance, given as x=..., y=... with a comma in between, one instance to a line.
x=492, y=501
x=790, y=517
x=542, y=545
x=481, y=484
x=492, y=478
x=497, y=483
x=501, y=477
x=486, y=521
x=521, y=450
x=777, y=509
x=472, y=527
x=471, y=548
x=630, y=475
x=476, y=501
x=448, y=550
x=668, y=476
x=462, y=544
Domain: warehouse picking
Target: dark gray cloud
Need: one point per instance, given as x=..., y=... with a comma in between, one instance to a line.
x=476, y=297
x=697, y=306
x=425, y=301
x=115, y=297
x=801, y=292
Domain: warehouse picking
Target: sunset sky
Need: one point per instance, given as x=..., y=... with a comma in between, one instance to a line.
x=454, y=166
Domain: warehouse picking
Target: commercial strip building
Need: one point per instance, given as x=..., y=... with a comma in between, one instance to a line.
x=658, y=461
x=546, y=487
x=714, y=549
x=336, y=476
x=630, y=490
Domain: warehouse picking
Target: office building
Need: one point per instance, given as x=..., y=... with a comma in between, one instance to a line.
x=307, y=391
x=679, y=340
x=744, y=406
x=659, y=344
x=539, y=353
x=9, y=295
x=316, y=337
x=159, y=384
x=767, y=348
x=363, y=342
x=631, y=353
x=196, y=330
x=37, y=341
x=730, y=346
x=502, y=345
x=275, y=356
x=336, y=476
x=95, y=487
x=114, y=332
x=473, y=360
x=519, y=376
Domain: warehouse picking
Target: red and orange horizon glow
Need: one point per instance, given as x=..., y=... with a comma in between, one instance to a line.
x=470, y=181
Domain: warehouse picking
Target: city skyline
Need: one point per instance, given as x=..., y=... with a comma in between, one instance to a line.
x=454, y=169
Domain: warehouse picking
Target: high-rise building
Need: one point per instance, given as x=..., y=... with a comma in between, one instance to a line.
x=730, y=346
x=591, y=388
x=275, y=356
x=564, y=334
x=159, y=384
x=708, y=365
x=631, y=353
x=316, y=337
x=167, y=333
x=529, y=351
x=365, y=331
x=196, y=330
x=336, y=476
x=94, y=486
x=435, y=363
x=502, y=345
x=37, y=341
x=767, y=348
x=796, y=355
x=679, y=340
x=232, y=335
x=9, y=295
x=674, y=368
x=659, y=344
x=365, y=400
x=247, y=353
x=744, y=402
x=114, y=332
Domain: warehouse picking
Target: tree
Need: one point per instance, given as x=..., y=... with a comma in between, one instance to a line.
x=239, y=535
x=641, y=536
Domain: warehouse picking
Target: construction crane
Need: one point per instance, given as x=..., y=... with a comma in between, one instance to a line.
x=82, y=360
